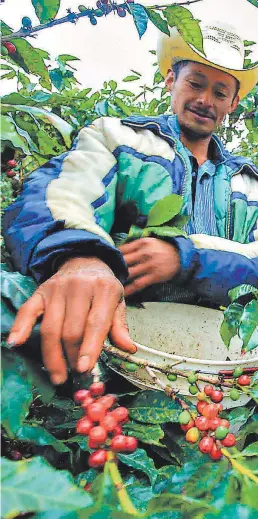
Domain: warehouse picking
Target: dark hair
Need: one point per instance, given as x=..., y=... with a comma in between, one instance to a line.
x=181, y=64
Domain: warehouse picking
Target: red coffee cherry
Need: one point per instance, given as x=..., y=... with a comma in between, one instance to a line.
x=80, y=395
x=10, y=47
x=96, y=412
x=229, y=441
x=224, y=423
x=215, y=453
x=16, y=455
x=244, y=380
x=10, y=173
x=131, y=444
x=98, y=459
x=210, y=411
x=188, y=426
x=87, y=401
x=118, y=430
x=118, y=443
x=206, y=444
x=214, y=423
x=202, y=423
x=120, y=414
x=208, y=390
x=216, y=396
x=98, y=435
x=200, y=406
x=107, y=401
x=11, y=163
x=97, y=389
x=109, y=423
x=83, y=426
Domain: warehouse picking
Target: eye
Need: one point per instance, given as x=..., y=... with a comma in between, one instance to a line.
x=220, y=95
x=195, y=85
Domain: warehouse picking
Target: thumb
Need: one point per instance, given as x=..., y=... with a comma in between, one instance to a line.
x=119, y=332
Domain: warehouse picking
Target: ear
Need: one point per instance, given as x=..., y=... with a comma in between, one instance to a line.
x=234, y=104
x=169, y=80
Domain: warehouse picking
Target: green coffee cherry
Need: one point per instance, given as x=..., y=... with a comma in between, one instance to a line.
x=234, y=394
x=237, y=372
x=172, y=377
x=130, y=366
x=82, y=8
x=221, y=432
x=115, y=361
x=192, y=378
x=4, y=51
x=184, y=418
x=193, y=389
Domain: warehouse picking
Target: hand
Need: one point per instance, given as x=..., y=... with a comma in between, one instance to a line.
x=80, y=305
x=149, y=261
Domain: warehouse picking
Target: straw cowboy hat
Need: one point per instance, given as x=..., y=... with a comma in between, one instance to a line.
x=223, y=48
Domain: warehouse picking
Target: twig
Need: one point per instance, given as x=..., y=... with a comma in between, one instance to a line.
x=167, y=389
x=125, y=501
x=243, y=470
x=158, y=7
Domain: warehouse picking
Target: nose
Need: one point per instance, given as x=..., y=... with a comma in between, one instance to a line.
x=205, y=98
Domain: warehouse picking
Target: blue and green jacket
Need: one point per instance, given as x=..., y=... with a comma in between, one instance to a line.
x=74, y=204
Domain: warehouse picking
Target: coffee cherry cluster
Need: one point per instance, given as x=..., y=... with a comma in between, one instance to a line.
x=11, y=168
x=208, y=429
x=102, y=424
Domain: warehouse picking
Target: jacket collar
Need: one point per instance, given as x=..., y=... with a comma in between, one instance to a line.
x=167, y=127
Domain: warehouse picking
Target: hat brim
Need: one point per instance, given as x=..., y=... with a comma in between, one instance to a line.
x=172, y=49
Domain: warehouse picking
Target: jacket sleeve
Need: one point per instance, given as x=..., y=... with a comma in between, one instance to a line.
x=212, y=272
x=55, y=216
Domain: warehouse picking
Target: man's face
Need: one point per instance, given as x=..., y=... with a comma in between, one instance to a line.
x=201, y=96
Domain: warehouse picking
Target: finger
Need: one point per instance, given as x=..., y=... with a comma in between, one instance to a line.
x=119, y=332
x=137, y=271
x=134, y=257
x=76, y=313
x=130, y=247
x=51, y=345
x=25, y=319
x=97, y=327
x=138, y=284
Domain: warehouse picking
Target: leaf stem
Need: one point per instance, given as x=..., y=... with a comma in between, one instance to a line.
x=236, y=465
x=124, y=499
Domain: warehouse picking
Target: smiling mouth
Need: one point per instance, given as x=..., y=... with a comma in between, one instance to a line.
x=199, y=114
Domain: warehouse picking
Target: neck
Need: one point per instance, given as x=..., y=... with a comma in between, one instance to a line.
x=199, y=148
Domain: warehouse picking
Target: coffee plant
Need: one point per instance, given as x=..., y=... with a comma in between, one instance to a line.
x=97, y=446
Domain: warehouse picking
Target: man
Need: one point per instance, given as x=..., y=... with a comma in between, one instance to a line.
x=59, y=229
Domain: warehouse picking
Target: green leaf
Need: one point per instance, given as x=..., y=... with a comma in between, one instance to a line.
x=125, y=109
x=164, y=210
x=139, y=460
x=242, y=290
x=63, y=58
x=187, y=26
x=254, y=2
x=238, y=416
x=251, y=450
x=39, y=436
x=61, y=125
x=10, y=136
x=32, y=61
x=125, y=93
x=112, y=84
x=151, y=434
x=158, y=21
x=16, y=392
x=46, y=9
x=140, y=17
x=17, y=288
x=130, y=78
x=248, y=328
x=154, y=407
x=248, y=43
x=233, y=511
x=230, y=324
x=182, y=503
x=163, y=231
x=179, y=221
x=204, y=480
x=33, y=486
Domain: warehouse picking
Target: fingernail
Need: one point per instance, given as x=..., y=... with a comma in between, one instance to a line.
x=12, y=340
x=57, y=379
x=10, y=344
x=83, y=363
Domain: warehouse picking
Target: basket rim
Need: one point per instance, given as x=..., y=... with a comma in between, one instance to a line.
x=191, y=360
